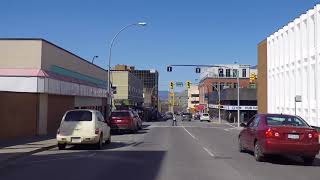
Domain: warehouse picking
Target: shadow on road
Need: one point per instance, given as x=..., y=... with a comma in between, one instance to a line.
x=287, y=160
x=112, y=145
x=141, y=165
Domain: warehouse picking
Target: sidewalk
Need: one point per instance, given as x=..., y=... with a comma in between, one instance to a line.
x=11, y=150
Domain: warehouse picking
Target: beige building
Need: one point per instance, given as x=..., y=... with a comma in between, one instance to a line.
x=39, y=81
x=193, y=97
x=129, y=88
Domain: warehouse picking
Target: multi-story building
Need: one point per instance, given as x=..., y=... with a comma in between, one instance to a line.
x=150, y=80
x=40, y=81
x=129, y=88
x=193, y=98
x=289, y=66
x=226, y=76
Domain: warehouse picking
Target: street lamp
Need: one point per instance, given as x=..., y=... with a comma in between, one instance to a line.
x=110, y=49
x=94, y=58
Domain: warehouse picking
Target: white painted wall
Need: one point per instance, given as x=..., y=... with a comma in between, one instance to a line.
x=49, y=86
x=293, y=67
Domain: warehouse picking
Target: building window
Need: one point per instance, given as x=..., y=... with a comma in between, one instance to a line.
x=214, y=86
x=220, y=72
x=194, y=102
x=235, y=85
x=228, y=74
x=234, y=72
x=221, y=86
x=244, y=72
x=194, y=95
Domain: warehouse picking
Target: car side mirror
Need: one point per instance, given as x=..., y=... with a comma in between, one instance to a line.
x=243, y=125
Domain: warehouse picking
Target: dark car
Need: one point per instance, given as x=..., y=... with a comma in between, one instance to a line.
x=269, y=134
x=169, y=115
x=186, y=116
x=197, y=116
x=124, y=120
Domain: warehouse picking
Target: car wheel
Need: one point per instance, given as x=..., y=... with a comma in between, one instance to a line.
x=257, y=152
x=241, y=148
x=61, y=146
x=308, y=160
x=100, y=143
x=109, y=139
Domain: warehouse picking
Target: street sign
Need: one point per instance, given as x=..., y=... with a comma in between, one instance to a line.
x=179, y=84
x=298, y=98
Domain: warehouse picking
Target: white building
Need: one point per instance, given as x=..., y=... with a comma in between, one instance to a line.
x=293, y=68
x=227, y=71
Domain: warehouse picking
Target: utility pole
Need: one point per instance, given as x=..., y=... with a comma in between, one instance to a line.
x=238, y=81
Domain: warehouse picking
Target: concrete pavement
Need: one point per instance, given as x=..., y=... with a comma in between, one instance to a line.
x=190, y=151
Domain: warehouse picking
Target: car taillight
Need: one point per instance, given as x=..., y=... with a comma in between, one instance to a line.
x=271, y=133
x=314, y=135
x=97, y=131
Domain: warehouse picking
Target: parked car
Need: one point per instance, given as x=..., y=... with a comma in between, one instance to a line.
x=268, y=134
x=204, y=117
x=186, y=116
x=139, y=120
x=83, y=127
x=124, y=120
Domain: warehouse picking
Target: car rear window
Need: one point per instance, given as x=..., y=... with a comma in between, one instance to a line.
x=120, y=114
x=205, y=114
x=186, y=114
x=286, y=121
x=78, y=116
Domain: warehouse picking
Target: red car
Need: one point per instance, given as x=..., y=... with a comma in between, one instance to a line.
x=268, y=134
x=124, y=120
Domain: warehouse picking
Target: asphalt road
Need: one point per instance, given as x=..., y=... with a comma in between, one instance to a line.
x=189, y=151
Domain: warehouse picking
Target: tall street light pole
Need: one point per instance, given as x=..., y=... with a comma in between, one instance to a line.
x=110, y=50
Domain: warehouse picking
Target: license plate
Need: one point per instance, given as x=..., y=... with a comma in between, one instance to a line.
x=293, y=136
x=119, y=120
x=76, y=140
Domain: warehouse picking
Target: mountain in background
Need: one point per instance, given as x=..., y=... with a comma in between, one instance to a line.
x=163, y=95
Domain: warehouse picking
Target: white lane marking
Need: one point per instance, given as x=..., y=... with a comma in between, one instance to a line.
x=209, y=152
x=190, y=133
x=91, y=155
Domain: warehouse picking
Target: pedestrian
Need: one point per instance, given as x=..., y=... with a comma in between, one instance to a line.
x=174, y=120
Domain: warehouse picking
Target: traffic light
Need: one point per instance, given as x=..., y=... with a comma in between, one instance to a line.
x=171, y=84
x=169, y=68
x=198, y=70
x=252, y=77
x=188, y=84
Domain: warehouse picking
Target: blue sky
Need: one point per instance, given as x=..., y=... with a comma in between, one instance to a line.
x=178, y=31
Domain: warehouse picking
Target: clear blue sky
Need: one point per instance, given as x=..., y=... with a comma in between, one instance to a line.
x=178, y=31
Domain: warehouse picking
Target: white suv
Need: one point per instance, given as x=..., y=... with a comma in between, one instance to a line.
x=83, y=127
x=205, y=117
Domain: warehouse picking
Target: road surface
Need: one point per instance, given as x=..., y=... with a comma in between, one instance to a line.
x=190, y=151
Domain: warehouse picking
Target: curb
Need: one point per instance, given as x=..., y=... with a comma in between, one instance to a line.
x=21, y=155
